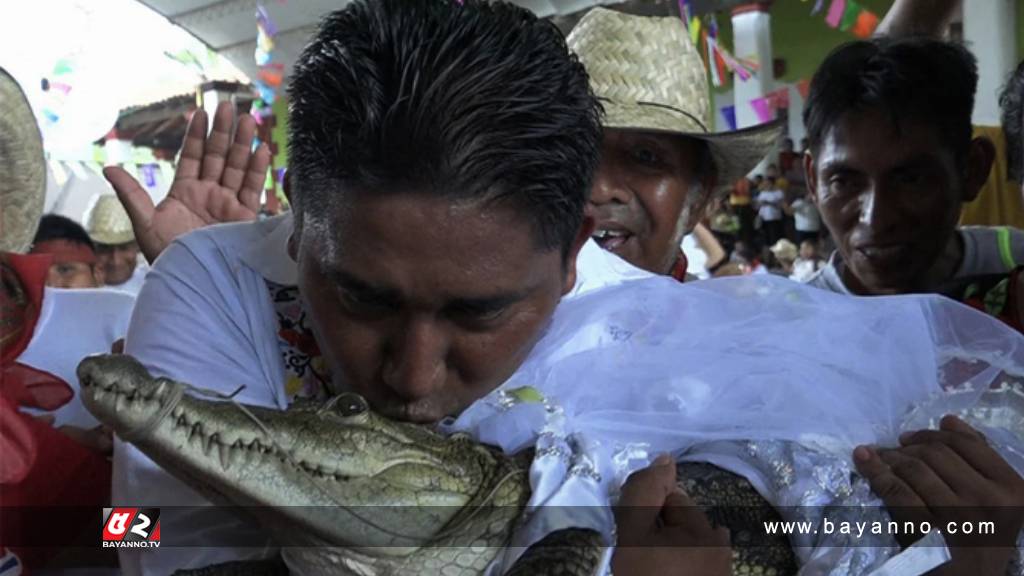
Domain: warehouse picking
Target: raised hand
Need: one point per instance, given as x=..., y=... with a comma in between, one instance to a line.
x=219, y=179
x=661, y=531
x=952, y=479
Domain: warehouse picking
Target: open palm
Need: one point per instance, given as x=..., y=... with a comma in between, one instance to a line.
x=219, y=179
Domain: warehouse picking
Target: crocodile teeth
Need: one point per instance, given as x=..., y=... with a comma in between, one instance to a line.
x=209, y=443
x=225, y=455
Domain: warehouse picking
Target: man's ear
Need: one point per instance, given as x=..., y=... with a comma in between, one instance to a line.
x=810, y=177
x=584, y=234
x=286, y=186
x=711, y=202
x=100, y=274
x=293, y=245
x=980, y=157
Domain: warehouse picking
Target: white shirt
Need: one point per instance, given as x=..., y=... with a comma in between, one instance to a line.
x=134, y=283
x=767, y=211
x=73, y=324
x=987, y=250
x=803, y=270
x=806, y=217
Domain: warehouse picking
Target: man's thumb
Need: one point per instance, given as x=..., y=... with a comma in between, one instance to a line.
x=133, y=196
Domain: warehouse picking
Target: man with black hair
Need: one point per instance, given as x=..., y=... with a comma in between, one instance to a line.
x=891, y=162
x=73, y=253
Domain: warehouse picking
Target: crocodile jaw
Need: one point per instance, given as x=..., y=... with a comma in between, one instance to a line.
x=360, y=482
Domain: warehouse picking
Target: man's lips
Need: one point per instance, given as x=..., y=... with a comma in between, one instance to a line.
x=611, y=236
x=884, y=252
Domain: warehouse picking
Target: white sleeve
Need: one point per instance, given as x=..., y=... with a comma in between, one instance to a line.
x=191, y=324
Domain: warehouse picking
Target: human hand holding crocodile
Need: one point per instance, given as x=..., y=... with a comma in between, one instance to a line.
x=661, y=531
x=951, y=477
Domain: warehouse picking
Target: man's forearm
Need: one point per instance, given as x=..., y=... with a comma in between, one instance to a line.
x=918, y=17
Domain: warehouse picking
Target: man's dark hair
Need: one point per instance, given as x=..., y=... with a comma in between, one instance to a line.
x=471, y=101
x=914, y=78
x=1012, y=102
x=56, y=227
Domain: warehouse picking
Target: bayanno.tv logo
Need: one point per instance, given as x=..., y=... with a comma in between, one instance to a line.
x=131, y=527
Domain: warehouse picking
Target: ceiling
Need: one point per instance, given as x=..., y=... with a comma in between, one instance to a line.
x=229, y=26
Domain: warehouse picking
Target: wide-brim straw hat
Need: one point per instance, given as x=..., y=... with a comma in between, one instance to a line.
x=785, y=250
x=108, y=222
x=22, y=168
x=648, y=75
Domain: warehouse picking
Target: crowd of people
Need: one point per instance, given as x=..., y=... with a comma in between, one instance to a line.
x=445, y=202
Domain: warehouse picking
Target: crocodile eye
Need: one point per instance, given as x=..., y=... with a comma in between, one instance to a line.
x=349, y=405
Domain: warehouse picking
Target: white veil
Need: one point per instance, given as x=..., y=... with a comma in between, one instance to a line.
x=647, y=366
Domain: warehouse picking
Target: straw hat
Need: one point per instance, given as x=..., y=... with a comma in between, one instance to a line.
x=784, y=250
x=109, y=223
x=649, y=76
x=22, y=168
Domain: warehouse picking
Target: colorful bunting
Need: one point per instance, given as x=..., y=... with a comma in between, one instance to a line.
x=818, y=5
x=762, y=108
x=804, y=86
x=866, y=23
x=695, y=30
x=729, y=113
x=684, y=12
x=779, y=99
x=850, y=15
x=271, y=74
x=835, y=13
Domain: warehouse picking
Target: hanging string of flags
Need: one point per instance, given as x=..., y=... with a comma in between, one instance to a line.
x=271, y=74
x=846, y=15
x=717, y=59
x=849, y=16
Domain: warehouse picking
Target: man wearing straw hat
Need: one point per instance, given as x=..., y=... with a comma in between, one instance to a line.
x=660, y=164
x=117, y=252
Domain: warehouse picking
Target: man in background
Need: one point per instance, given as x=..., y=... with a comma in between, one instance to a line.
x=661, y=168
x=74, y=263
x=117, y=252
x=892, y=161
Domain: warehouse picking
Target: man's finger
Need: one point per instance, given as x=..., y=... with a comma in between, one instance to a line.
x=191, y=160
x=680, y=510
x=219, y=142
x=920, y=477
x=136, y=201
x=886, y=484
x=970, y=446
x=952, y=469
x=642, y=497
x=238, y=157
x=255, y=178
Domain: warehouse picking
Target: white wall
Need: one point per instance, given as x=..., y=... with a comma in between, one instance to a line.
x=990, y=32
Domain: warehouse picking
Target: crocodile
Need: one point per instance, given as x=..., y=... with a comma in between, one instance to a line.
x=345, y=491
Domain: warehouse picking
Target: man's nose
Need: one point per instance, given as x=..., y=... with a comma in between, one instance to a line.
x=880, y=209
x=609, y=185
x=415, y=366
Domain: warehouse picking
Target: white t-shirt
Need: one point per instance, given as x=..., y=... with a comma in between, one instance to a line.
x=134, y=283
x=987, y=250
x=803, y=270
x=73, y=324
x=806, y=217
x=770, y=202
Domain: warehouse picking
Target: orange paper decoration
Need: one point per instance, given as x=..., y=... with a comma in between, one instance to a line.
x=866, y=24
